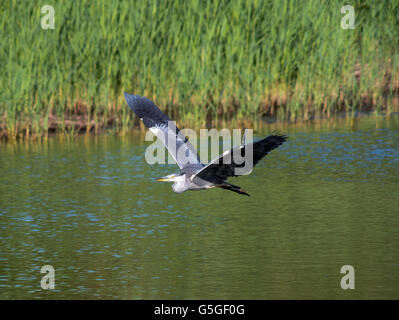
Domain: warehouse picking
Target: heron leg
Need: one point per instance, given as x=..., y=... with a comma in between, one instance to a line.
x=232, y=187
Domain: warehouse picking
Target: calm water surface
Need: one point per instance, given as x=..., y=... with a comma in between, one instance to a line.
x=89, y=207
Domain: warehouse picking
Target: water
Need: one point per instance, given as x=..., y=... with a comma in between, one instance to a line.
x=90, y=208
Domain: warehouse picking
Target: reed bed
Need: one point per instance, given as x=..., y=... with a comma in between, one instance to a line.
x=201, y=61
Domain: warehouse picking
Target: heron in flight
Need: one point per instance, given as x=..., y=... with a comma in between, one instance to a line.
x=193, y=174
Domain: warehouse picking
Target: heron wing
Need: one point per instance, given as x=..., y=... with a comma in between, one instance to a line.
x=159, y=123
x=225, y=164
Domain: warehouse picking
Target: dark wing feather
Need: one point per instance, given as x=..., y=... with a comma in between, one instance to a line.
x=225, y=164
x=146, y=110
x=159, y=123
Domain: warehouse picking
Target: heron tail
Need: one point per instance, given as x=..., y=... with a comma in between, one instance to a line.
x=232, y=187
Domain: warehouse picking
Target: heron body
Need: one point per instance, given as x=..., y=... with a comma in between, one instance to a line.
x=193, y=174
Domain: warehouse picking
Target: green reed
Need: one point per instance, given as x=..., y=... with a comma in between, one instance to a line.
x=199, y=60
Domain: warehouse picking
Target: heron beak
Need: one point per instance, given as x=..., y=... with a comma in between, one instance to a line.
x=167, y=178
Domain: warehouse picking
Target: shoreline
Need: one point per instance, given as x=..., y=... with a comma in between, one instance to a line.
x=77, y=126
x=83, y=120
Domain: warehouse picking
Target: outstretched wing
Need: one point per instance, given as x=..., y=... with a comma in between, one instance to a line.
x=159, y=123
x=228, y=165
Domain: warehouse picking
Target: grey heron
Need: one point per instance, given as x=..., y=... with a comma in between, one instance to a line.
x=193, y=174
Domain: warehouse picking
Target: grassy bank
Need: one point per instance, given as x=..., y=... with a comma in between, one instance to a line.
x=199, y=61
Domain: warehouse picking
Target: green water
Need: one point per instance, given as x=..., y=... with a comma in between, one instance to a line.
x=90, y=208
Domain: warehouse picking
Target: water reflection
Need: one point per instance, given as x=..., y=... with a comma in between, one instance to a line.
x=90, y=208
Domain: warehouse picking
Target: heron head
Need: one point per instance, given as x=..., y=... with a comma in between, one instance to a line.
x=170, y=177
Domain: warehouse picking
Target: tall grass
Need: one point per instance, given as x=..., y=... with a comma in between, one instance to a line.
x=199, y=60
